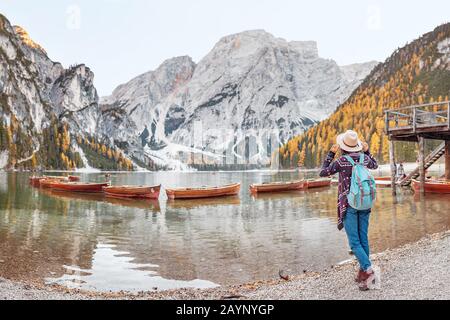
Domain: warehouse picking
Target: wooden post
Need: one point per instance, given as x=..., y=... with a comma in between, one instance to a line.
x=448, y=116
x=422, y=164
x=386, y=120
x=393, y=167
x=447, y=160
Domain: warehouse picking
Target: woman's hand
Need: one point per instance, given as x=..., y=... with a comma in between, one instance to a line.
x=365, y=147
x=335, y=148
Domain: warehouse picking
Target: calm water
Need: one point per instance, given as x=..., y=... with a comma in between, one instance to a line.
x=90, y=242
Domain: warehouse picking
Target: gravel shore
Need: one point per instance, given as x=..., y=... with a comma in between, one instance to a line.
x=414, y=271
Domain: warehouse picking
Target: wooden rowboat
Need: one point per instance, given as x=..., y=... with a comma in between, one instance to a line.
x=318, y=183
x=204, y=192
x=147, y=192
x=432, y=186
x=48, y=183
x=36, y=181
x=78, y=186
x=278, y=186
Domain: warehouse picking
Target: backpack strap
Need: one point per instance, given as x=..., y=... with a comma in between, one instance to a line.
x=362, y=158
x=349, y=159
x=352, y=162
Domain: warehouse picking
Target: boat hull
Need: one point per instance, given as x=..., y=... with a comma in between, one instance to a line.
x=432, y=186
x=79, y=187
x=198, y=193
x=278, y=187
x=319, y=183
x=133, y=192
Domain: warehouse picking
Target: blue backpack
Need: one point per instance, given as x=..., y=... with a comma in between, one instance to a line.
x=363, y=191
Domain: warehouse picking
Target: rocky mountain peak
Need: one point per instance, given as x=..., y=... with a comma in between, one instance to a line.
x=26, y=39
x=4, y=23
x=250, y=85
x=249, y=42
x=171, y=74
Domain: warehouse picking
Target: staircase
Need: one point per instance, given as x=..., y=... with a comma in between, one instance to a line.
x=429, y=161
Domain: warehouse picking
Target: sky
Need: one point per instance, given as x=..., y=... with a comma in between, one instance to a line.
x=120, y=39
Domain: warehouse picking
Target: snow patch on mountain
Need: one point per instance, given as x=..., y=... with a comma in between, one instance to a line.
x=167, y=158
x=83, y=157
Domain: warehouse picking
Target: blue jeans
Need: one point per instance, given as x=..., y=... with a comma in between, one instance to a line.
x=356, y=224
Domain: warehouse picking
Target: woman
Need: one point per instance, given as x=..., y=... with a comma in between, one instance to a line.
x=356, y=223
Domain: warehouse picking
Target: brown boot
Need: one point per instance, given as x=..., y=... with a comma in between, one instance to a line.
x=366, y=277
x=359, y=276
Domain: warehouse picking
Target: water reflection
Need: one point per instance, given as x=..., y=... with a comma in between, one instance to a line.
x=148, y=204
x=197, y=203
x=111, y=244
x=107, y=274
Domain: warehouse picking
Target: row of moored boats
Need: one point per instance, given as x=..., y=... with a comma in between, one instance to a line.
x=73, y=184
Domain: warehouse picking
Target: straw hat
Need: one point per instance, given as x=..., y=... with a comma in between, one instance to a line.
x=349, y=142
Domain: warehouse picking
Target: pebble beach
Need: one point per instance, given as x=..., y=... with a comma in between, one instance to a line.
x=415, y=271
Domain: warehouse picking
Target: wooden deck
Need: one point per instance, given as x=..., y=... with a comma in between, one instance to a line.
x=430, y=121
x=416, y=124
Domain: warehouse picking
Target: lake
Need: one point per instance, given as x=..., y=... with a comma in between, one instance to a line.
x=94, y=243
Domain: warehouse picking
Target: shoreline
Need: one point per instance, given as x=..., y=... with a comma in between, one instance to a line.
x=417, y=270
x=382, y=169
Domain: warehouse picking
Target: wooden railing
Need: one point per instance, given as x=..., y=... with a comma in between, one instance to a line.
x=419, y=117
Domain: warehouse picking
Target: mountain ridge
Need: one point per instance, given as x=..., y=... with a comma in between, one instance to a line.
x=44, y=107
x=248, y=85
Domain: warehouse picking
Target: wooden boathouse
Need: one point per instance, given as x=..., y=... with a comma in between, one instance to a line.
x=415, y=124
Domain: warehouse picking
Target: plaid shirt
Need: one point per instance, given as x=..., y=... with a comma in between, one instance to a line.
x=345, y=169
